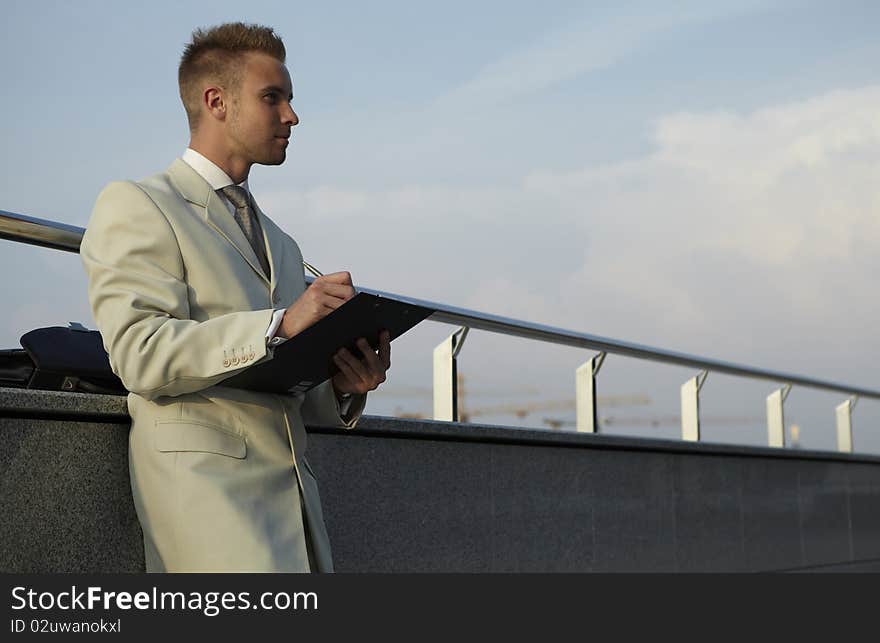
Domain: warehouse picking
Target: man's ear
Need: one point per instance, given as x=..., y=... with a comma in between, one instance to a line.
x=214, y=101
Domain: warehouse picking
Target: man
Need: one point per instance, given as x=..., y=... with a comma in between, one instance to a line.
x=189, y=283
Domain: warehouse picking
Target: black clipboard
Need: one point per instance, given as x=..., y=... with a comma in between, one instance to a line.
x=306, y=360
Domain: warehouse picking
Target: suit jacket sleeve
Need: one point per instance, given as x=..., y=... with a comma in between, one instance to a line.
x=139, y=298
x=321, y=408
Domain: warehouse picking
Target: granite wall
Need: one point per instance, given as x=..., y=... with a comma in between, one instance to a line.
x=416, y=496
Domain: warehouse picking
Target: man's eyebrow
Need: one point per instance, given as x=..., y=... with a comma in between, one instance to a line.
x=276, y=88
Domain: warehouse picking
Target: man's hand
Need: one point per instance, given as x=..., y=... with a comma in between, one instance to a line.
x=362, y=375
x=325, y=295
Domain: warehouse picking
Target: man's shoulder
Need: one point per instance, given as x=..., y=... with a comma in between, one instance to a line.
x=153, y=198
x=160, y=182
x=161, y=190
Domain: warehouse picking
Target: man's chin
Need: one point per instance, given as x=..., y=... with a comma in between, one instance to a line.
x=276, y=159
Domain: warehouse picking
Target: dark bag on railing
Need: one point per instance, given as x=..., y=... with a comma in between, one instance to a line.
x=60, y=359
x=16, y=368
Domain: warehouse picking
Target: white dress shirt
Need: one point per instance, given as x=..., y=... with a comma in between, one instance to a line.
x=218, y=179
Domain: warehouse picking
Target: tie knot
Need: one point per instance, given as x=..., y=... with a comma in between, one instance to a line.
x=238, y=196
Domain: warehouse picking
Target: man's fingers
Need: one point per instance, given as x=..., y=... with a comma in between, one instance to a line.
x=325, y=295
x=366, y=374
x=321, y=305
x=341, y=291
x=356, y=371
x=370, y=357
x=345, y=369
x=326, y=302
x=385, y=349
x=343, y=277
x=331, y=303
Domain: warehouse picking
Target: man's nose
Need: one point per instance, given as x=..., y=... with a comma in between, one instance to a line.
x=291, y=117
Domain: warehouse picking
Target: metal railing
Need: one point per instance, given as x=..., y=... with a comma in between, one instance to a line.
x=40, y=232
x=50, y=234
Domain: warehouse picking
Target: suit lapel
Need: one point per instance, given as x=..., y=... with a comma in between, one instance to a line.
x=197, y=191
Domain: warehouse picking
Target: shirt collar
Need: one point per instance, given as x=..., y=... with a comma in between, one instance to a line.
x=209, y=171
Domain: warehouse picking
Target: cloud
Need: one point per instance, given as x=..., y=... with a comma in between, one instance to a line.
x=586, y=44
x=747, y=237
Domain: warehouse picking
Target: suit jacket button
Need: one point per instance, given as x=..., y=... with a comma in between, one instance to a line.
x=235, y=361
x=252, y=355
x=226, y=362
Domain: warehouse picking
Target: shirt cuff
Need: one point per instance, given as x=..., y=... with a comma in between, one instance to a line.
x=350, y=407
x=271, y=340
x=344, y=405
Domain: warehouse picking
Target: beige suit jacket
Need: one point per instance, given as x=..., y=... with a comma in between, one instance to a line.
x=217, y=474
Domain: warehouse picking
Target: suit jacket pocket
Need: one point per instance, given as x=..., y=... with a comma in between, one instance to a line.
x=174, y=435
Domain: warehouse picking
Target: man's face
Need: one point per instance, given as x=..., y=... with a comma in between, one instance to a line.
x=260, y=113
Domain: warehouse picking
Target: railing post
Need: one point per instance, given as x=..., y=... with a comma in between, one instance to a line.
x=843, y=412
x=585, y=394
x=776, y=416
x=690, y=407
x=446, y=376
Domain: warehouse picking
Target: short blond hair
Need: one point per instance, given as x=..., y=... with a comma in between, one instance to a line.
x=216, y=55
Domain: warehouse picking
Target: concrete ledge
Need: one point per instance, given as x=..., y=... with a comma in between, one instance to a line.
x=113, y=408
x=403, y=496
x=34, y=403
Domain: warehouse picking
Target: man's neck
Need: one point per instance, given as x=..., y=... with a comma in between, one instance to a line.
x=237, y=170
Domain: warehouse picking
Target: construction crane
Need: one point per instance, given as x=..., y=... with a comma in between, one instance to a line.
x=674, y=420
x=524, y=410
x=520, y=410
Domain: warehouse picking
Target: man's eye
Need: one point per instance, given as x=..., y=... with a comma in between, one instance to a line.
x=272, y=98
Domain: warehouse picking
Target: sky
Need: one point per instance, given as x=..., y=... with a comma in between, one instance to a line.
x=700, y=177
